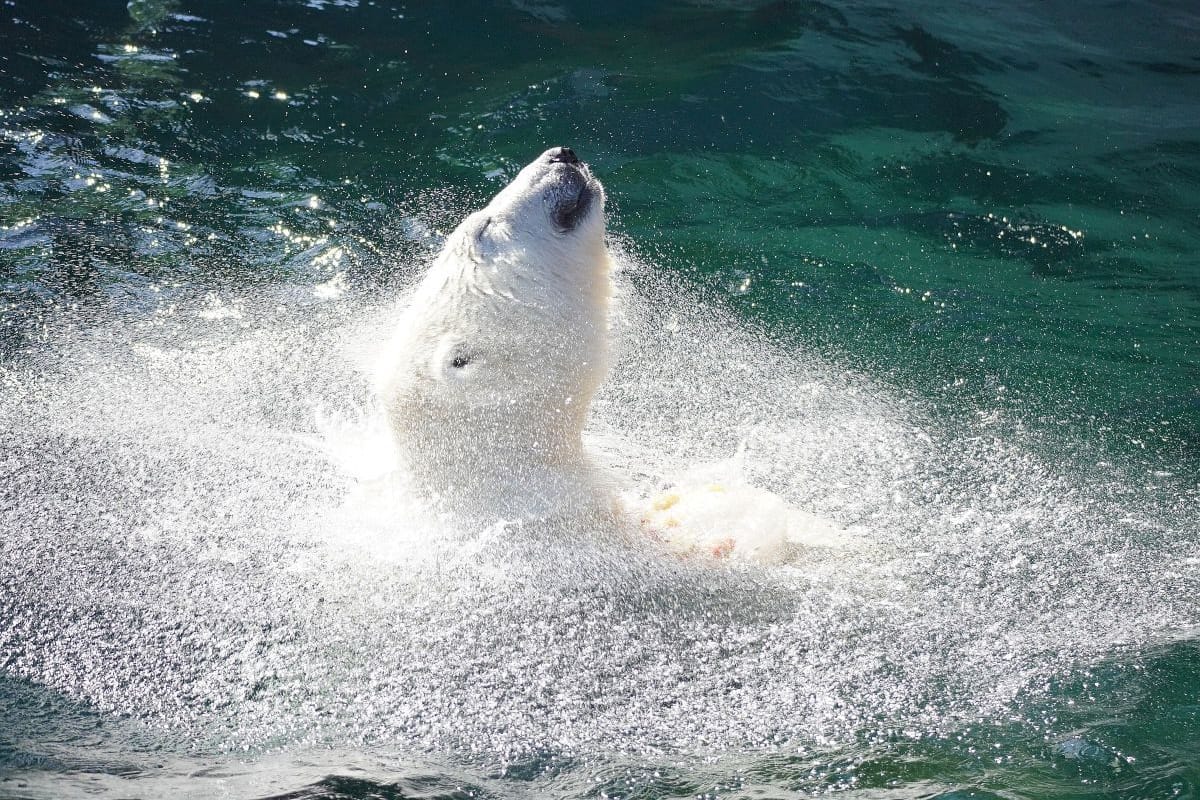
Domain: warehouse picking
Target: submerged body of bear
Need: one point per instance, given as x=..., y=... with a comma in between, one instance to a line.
x=489, y=376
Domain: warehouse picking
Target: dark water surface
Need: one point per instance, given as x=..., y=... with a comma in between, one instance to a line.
x=935, y=264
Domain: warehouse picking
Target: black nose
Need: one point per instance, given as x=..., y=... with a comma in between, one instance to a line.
x=564, y=155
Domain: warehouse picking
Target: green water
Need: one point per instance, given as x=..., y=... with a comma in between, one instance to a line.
x=989, y=211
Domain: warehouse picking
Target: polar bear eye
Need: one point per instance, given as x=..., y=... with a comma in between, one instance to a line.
x=462, y=356
x=454, y=361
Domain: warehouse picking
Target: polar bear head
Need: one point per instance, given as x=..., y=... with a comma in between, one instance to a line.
x=495, y=360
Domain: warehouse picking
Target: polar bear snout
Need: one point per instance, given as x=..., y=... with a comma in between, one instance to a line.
x=564, y=155
x=571, y=197
x=557, y=187
x=571, y=188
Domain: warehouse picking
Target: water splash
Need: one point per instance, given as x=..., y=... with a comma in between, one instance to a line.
x=181, y=553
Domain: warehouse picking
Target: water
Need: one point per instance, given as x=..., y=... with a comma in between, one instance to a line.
x=934, y=267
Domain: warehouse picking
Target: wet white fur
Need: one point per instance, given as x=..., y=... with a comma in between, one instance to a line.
x=527, y=303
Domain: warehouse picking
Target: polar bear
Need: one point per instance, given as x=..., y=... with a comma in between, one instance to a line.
x=493, y=365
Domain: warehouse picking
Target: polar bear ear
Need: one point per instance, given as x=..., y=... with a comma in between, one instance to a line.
x=476, y=242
